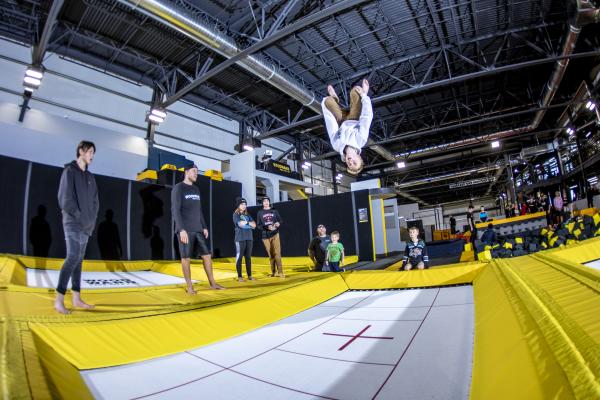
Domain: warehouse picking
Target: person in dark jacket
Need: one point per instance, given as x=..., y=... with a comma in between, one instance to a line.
x=452, y=225
x=78, y=200
x=269, y=222
x=318, y=247
x=190, y=227
x=489, y=235
x=244, y=224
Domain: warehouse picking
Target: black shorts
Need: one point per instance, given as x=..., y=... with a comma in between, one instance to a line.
x=195, y=246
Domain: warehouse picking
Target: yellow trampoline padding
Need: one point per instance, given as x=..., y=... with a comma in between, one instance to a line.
x=11, y=272
x=510, y=220
x=505, y=366
x=566, y=313
x=66, y=379
x=109, y=343
x=452, y=275
x=582, y=252
x=286, y=261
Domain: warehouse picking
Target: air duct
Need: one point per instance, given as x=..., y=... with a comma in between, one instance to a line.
x=184, y=22
x=187, y=24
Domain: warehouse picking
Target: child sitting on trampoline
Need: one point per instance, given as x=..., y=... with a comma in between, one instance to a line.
x=415, y=253
x=348, y=130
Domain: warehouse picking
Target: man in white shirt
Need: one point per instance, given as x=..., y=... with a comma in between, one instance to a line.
x=349, y=129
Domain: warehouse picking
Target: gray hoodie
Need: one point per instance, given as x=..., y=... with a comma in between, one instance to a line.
x=78, y=199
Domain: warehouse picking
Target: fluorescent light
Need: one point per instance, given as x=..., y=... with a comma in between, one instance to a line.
x=401, y=164
x=307, y=163
x=248, y=147
x=29, y=89
x=592, y=106
x=32, y=81
x=588, y=134
x=158, y=113
x=34, y=73
x=304, y=166
x=570, y=130
x=155, y=119
x=495, y=144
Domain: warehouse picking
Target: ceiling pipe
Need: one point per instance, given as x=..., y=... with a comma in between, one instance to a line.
x=184, y=22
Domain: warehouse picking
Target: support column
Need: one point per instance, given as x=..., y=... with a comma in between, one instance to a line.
x=511, y=180
x=333, y=174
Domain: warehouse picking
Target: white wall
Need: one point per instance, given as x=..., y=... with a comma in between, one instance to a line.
x=49, y=139
x=406, y=211
x=78, y=102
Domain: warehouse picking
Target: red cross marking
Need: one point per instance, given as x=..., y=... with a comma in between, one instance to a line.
x=357, y=336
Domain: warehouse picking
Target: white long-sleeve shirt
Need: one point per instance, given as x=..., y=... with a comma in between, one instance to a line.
x=351, y=132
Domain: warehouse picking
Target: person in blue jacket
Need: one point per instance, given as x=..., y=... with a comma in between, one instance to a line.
x=244, y=224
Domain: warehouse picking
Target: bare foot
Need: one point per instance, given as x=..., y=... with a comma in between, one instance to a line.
x=251, y=278
x=217, y=287
x=282, y=276
x=365, y=86
x=272, y=275
x=241, y=280
x=191, y=292
x=82, y=304
x=60, y=308
x=331, y=92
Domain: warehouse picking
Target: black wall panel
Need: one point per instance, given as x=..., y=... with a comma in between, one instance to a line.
x=109, y=240
x=258, y=249
x=151, y=228
x=365, y=234
x=335, y=212
x=45, y=236
x=224, y=194
x=150, y=217
x=13, y=176
x=203, y=183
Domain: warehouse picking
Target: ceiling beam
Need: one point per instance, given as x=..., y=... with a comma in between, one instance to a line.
x=39, y=50
x=274, y=38
x=445, y=82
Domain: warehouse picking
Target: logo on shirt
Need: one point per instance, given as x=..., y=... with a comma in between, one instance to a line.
x=269, y=219
x=192, y=197
x=415, y=252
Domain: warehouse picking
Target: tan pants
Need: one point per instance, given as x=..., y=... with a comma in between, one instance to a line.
x=340, y=114
x=273, y=247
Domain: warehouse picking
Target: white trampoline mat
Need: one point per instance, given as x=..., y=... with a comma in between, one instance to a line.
x=47, y=278
x=593, y=264
x=404, y=344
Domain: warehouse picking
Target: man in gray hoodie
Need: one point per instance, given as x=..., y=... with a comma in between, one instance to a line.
x=78, y=200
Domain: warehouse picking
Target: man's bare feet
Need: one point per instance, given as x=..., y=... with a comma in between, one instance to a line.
x=191, y=291
x=60, y=308
x=251, y=278
x=241, y=280
x=82, y=304
x=217, y=287
x=331, y=92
